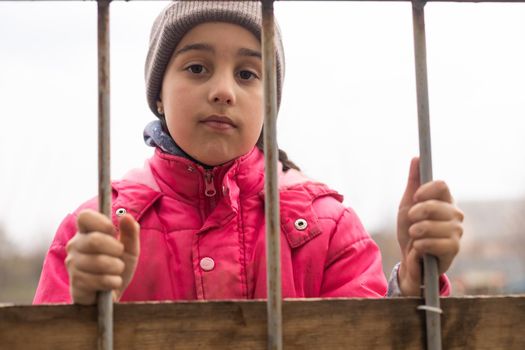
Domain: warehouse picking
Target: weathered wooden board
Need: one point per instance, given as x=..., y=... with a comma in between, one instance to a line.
x=468, y=323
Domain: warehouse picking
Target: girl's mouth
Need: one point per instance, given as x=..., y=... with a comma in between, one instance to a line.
x=219, y=122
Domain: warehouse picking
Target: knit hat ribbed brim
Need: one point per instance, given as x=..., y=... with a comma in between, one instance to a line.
x=180, y=17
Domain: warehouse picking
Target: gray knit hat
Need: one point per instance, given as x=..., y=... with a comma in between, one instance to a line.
x=181, y=16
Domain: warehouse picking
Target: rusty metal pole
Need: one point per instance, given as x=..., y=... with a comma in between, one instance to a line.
x=105, y=301
x=430, y=267
x=273, y=225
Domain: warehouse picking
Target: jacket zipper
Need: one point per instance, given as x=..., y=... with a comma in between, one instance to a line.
x=209, y=190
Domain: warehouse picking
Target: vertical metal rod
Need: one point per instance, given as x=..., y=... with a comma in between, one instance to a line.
x=431, y=283
x=273, y=225
x=105, y=301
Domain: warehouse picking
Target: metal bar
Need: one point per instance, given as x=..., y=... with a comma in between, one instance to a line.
x=431, y=283
x=105, y=302
x=273, y=224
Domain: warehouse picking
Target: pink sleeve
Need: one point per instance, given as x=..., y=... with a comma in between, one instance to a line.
x=395, y=291
x=53, y=286
x=444, y=286
x=353, y=267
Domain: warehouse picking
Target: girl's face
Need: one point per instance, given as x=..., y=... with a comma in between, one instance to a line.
x=212, y=92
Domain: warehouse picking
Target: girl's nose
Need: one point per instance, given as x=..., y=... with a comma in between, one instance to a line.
x=222, y=90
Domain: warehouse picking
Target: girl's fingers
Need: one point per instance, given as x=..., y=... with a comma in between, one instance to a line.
x=413, y=184
x=84, y=286
x=433, y=190
x=99, y=264
x=86, y=282
x=95, y=243
x=434, y=210
x=89, y=221
x=436, y=229
x=443, y=248
x=129, y=235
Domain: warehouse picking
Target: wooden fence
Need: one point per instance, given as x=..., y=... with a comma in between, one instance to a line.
x=467, y=323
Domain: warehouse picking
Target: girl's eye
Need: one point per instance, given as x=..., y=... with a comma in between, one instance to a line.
x=247, y=75
x=196, y=69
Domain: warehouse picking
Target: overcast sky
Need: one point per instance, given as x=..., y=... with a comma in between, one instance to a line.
x=348, y=115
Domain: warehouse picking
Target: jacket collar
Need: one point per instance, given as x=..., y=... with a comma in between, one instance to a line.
x=188, y=181
x=176, y=176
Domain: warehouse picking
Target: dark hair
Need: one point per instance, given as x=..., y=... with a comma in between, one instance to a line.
x=283, y=157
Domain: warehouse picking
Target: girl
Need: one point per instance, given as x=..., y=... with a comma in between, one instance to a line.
x=190, y=224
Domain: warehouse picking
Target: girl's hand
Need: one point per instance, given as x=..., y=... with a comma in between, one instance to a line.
x=428, y=222
x=97, y=261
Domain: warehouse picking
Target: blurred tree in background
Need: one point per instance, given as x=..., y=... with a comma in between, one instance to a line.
x=19, y=272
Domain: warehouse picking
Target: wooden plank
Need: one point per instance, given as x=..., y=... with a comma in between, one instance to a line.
x=468, y=323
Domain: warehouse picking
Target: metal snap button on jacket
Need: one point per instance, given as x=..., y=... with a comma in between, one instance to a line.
x=120, y=211
x=207, y=264
x=301, y=224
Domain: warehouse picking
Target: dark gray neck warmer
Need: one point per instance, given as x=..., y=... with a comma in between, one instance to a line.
x=156, y=136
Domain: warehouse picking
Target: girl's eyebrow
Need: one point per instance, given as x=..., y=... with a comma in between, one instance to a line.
x=249, y=52
x=209, y=48
x=197, y=46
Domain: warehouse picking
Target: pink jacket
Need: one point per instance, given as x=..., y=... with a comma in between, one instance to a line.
x=203, y=236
